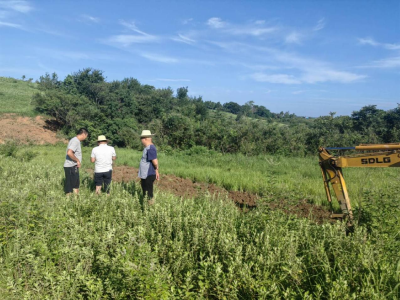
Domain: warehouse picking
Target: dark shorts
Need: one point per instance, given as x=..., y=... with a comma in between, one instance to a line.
x=71, y=179
x=104, y=177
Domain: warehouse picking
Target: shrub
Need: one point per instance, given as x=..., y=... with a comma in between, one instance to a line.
x=9, y=149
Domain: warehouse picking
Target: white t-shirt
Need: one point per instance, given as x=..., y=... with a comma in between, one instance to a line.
x=103, y=155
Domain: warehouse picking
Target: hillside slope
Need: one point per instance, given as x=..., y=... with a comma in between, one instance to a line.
x=16, y=95
x=18, y=121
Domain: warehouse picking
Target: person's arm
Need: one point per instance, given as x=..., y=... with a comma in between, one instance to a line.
x=155, y=164
x=72, y=156
x=152, y=156
x=93, y=157
x=114, y=155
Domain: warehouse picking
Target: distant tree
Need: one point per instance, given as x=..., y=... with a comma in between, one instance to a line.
x=200, y=108
x=47, y=83
x=182, y=93
x=261, y=111
x=232, y=107
x=23, y=77
x=369, y=118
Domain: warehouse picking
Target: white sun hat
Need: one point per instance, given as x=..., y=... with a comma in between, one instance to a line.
x=102, y=138
x=146, y=133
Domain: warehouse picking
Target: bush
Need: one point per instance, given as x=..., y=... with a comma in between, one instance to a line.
x=27, y=155
x=9, y=149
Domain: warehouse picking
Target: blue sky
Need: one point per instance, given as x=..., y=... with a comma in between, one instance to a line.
x=305, y=57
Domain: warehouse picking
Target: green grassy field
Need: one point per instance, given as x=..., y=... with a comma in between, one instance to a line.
x=114, y=248
x=272, y=177
x=90, y=247
x=15, y=96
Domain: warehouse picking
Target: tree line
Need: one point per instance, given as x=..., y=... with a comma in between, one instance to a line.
x=120, y=109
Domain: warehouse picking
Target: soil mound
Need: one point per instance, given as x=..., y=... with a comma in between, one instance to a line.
x=27, y=130
x=188, y=189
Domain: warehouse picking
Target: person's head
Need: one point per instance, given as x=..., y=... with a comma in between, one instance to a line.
x=146, y=141
x=102, y=140
x=146, y=138
x=82, y=134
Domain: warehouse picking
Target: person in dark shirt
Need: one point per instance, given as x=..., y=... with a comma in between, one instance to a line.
x=148, y=169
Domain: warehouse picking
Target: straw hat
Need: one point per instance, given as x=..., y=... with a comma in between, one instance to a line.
x=146, y=133
x=102, y=138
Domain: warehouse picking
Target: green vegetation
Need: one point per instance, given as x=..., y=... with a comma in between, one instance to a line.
x=113, y=248
x=16, y=95
x=88, y=247
x=121, y=109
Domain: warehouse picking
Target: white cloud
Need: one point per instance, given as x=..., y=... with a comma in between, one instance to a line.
x=275, y=78
x=298, y=92
x=73, y=55
x=183, y=39
x=127, y=39
x=90, y=18
x=13, y=25
x=310, y=70
x=251, y=30
x=215, y=23
x=372, y=42
x=254, y=28
x=320, y=24
x=132, y=26
x=16, y=5
x=387, y=63
x=187, y=21
x=367, y=41
x=8, y=12
x=160, y=58
x=293, y=38
x=327, y=74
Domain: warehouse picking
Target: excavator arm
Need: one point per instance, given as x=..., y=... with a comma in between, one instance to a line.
x=366, y=156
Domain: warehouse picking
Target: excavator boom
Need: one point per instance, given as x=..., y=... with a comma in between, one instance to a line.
x=381, y=155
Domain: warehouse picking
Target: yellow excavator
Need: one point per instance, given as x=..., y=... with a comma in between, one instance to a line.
x=364, y=155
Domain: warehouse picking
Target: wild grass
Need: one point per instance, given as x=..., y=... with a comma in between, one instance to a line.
x=16, y=95
x=267, y=175
x=88, y=247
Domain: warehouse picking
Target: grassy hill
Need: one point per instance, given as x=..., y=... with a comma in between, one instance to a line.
x=16, y=95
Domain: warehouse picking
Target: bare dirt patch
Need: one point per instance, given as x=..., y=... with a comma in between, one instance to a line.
x=27, y=130
x=303, y=209
x=186, y=188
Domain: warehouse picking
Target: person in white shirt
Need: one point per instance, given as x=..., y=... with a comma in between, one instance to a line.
x=103, y=157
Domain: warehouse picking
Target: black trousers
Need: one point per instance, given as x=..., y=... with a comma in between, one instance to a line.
x=71, y=179
x=147, y=186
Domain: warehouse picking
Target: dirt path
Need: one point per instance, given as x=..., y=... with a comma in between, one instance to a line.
x=27, y=130
x=188, y=189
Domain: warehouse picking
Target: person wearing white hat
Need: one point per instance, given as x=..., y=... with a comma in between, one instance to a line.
x=148, y=169
x=103, y=157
